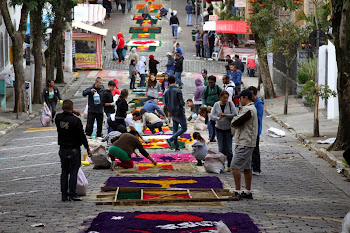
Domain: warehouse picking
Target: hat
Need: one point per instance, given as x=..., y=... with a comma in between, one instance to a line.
x=204, y=71
x=245, y=92
x=168, y=53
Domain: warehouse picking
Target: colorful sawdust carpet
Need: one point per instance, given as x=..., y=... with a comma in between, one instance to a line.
x=151, y=10
x=143, y=35
x=163, y=158
x=152, y=6
x=174, y=222
x=211, y=182
x=145, y=30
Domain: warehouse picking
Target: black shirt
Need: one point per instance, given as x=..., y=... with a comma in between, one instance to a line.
x=174, y=20
x=70, y=131
x=107, y=97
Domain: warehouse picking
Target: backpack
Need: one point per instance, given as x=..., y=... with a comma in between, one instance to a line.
x=207, y=91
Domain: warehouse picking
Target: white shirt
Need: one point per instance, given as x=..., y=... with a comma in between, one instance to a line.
x=129, y=120
x=230, y=88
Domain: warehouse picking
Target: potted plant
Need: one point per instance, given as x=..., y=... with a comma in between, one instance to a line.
x=302, y=78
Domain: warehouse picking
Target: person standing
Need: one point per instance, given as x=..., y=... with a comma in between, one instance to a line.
x=175, y=103
x=211, y=44
x=50, y=95
x=174, y=23
x=189, y=11
x=237, y=79
x=134, y=56
x=95, y=107
x=141, y=69
x=178, y=69
x=108, y=5
x=197, y=40
x=152, y=65
x=146, y=14
x=170, y=65
x=211, y=95
x=238, y=63
x=129, y=5
x=204, y=74
x=197, y=97
x=229, y=62
x=123, y=3
x=206, y=45
x=70, y=138
x=114, y=47
x=259, y=105
x=132, y=74
x=231, y=72
x=74, y=57
x=120, y=47
x=222, y=113
x=107, y=101
x=229, y=86
x=152, y=88
x=178, y=50
x=245, y=126
x=198, y=13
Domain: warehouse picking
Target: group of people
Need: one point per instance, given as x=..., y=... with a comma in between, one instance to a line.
x=121, y=5
x=205, y=44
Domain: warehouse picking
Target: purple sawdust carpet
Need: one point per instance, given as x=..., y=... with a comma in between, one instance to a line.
x=211, y=182
x=174, y=222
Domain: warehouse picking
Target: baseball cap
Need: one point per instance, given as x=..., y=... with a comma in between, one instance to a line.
x=204, y=71
x=245, y=92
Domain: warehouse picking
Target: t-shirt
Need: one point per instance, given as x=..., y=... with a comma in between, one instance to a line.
x=179, y=50
x=129, y=120
x=150, y=118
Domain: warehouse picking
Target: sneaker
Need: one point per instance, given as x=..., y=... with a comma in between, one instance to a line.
x=181, y=86
x=76, y=198
x=118, y=62
x=229, y=169
x=169, y=143
x=65, y=198
x=246, y=196
x=238, y=195
x=256, y=173
x=199, y=163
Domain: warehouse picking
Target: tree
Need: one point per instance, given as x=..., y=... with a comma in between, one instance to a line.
x=341, y=33
x=286, y=40
x=263, y=22
x=17, y=37
x=37, y=37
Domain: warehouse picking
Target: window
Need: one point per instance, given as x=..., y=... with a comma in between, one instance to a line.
x=1, y=51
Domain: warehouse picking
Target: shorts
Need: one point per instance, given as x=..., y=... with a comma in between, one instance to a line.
x=242, y=159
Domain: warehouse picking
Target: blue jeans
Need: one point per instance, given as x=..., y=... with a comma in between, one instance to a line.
x=70, y=163
x=181, y=120
x=129, y=5
x=211, y=129
x=198, y=50
x=174, y=30
x=189, y=19
x=198, y=19
x=157, y=125
x=206, y=51
x=225, y=143
x=178, y=78
x=109, y=127
x=143, y=79
x=170, y=72
x=114, y=53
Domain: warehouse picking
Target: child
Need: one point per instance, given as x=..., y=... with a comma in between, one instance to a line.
x=199, y=148
x=151, y=121
x=197, y=97
x=165, y=83
x=107, y=101
x=152, y=88
x=200, y=122
x=193, y=111
x=116, y=90
x=132, y=74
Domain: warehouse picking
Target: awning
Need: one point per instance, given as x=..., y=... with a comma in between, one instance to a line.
x=93, y=29
x=89, y=13
x=232, y=27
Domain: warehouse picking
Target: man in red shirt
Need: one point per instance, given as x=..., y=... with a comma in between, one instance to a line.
x=120, y=47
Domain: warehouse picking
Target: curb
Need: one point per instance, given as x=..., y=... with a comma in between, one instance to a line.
x=322, y=153
x=36, y=114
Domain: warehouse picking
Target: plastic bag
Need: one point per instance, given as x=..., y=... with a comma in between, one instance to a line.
x=82, y=183
x=46, y=116
x=214, y=162
x=100, y=158
x=86, y=111
x=179, y=30
x=119, y=7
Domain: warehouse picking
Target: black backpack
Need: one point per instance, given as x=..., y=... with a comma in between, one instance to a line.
x=207, y=91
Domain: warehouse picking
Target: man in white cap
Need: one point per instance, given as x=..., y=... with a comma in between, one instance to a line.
x=170, y=64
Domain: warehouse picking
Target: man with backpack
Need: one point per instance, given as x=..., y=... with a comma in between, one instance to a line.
x=229, y=86
x=211, y=95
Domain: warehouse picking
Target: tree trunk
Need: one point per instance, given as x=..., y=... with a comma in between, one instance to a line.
x=59, y=62
x=264, y=68
x=50, y=64
x=340, y=25
x=36, y=50
x=19, y=73
x=285, y=112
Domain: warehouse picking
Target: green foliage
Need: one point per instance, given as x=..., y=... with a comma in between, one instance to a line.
x=302, y=77
x=307, y=66
x=309, y=91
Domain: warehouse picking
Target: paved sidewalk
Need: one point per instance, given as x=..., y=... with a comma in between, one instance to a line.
x=300, y=121
x=8, y=119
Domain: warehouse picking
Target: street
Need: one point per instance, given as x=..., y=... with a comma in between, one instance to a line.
x=296, y=191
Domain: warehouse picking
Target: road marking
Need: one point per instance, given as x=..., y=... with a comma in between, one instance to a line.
x=22, y=147
x=93, y=73
x=40, y=129
x=19, y=139
x=305, y=217
x=34, y=165
x=11, y=194
x=29, y=178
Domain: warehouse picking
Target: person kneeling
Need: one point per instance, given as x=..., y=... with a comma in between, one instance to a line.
x=152, y=121
x=199, y=148
x=124, y=146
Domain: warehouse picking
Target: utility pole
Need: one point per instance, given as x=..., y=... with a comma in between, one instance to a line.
x=68, y=59
x=202, y=11
x=317, y=98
